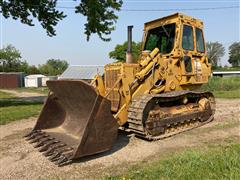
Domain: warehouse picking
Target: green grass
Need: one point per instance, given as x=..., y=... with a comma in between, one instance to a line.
x=12, y=110
x=226, y=68
x=4, y=95
x=227, y=94
x=212, y=162
x=223, y=84
x=41, y=90
x=224, y=87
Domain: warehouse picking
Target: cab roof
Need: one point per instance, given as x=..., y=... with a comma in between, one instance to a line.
x=173, y=18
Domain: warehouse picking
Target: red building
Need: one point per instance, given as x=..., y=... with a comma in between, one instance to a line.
x=11, y=80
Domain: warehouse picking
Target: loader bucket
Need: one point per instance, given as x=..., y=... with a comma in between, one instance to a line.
x=74, y=122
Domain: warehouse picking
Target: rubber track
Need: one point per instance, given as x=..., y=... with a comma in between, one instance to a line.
x=136, y=112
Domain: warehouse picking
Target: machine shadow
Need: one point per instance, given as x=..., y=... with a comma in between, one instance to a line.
x=36, y=99
x=122, y=141
x=21, y=101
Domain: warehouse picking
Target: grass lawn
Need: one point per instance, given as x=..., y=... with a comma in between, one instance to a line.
x=226, y=69
x=41, y=90
x=227, y=94
x=224, y=87
x=4, y=95
x=12, y=110
x=212, y=162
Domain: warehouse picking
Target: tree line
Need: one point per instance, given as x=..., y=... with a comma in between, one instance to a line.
x=215, y=51
x=11, y=61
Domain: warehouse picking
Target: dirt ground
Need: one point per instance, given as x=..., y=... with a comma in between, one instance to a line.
x=19, y=160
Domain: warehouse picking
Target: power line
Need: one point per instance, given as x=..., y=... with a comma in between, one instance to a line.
x=192, y=2
x=184, y=9
x=175, y=9
x=161, y=1
x=175, y=1
x=172, y=9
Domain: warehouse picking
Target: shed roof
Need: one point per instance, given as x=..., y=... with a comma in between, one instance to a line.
x=82, y=72
x=35, y=76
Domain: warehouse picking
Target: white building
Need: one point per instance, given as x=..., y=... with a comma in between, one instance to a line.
x=34, y=80
x=45, y=79
x=226, y=73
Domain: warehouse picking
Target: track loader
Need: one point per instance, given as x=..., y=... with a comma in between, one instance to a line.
x=154, y=97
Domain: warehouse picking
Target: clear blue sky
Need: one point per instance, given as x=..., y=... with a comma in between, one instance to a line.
x=70, y=43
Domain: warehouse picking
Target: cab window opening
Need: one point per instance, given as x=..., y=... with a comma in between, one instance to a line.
x=162, y=38
x=199, y=40
x=187, y=38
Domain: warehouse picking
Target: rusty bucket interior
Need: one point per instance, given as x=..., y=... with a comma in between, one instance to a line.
x=74, y=122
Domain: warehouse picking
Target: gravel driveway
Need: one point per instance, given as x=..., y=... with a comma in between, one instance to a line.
x=19, y=160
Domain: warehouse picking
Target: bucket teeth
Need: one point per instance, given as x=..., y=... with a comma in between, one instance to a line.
x=55, y=156
x=66, y=158
x=65, y=162
x=35, y=135
x=53, y=149
x=61, y=160
x=46, y=146
x=42, y=141
x=58, y=152
x=38, y=138
x=29, y=134
x=48, y=152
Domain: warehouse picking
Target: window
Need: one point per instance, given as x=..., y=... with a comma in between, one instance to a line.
x=187, y=38
x=199, y=40
x=188, y=64
x=162, y=38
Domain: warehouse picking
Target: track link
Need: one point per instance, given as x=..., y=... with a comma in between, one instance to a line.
x=154, y=126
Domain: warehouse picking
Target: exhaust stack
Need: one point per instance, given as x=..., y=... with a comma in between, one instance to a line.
x=129, y=56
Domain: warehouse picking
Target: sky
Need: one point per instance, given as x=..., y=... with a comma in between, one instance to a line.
x=222, y=25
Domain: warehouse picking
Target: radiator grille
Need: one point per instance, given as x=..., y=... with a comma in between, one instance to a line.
x=111, y=76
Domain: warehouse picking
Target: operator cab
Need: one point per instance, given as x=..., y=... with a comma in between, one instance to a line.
x=177, y=36
x=174, y=32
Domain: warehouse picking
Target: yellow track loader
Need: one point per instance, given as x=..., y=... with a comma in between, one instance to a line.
x=154, y=97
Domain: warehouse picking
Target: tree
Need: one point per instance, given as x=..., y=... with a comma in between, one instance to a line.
x=32, y=70
x=10, y=59
x=119, y=52
x=100, y=14
x=53, y=67
x=215, y=51
x=28, y=69
x=234, y=54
